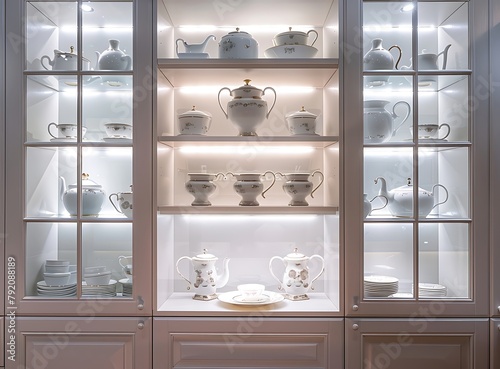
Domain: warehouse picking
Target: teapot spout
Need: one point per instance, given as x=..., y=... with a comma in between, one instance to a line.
x=445, y=56
x=223, y=278
x=97, y=61
x=383, y=187
x=204, y=43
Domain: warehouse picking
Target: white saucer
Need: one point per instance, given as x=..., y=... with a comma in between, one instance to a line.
x=193, y=55
x=236, y=298
x=125, y=281
x=432, y=140
x=65, y=139
x=291, y=51
x=117, y=139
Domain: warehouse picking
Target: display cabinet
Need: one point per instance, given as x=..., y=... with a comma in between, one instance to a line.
x=2, y=148
x=396, y=343
x=495, y=154
x=227, y=224
x=242, y=343
x=419, y=237
x=79, y=130
x=83, y=342
x=494, y=343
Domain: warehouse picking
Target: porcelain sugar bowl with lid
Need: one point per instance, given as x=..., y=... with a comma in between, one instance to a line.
x=206, y=280
x=301, y=122
x=247, y=110
x=194, y=122
x=238, y=45
x=92, y=196
x=296, y=281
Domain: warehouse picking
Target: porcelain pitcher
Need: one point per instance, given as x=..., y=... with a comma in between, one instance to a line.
x=378, y=123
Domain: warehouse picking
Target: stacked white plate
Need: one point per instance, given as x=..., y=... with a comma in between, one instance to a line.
x=380, y=286
x=107, y=290
x=431, y=290
x=127, y=287
x=55, y=291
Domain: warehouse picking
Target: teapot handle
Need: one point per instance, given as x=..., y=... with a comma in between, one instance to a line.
x=120, y=258
x=320, y=182
x=48, y=61
x=271, y=185
x=179, y=272
x=129, y=61
x=274, y=102
x=386, y=202
x=218, y=98
x=395, y=115
x=316, y=33
x=447, y=133
x=322, y=266
x=445, y=190
x=271, y=269
x=399, y=57
x=112, y=203
x=177, y=45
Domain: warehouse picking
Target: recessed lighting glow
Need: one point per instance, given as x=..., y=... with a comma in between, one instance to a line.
x=246, y=150
x=407, y=8
x=204, y=90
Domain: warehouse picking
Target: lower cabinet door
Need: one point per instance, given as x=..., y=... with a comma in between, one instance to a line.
x=82, y=343
x=495, y=343
x=417, y=343
x=248, y=342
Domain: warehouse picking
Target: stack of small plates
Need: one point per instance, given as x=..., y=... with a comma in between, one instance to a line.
x=108, y=290
x=431, y=290
x=55, y=291
x=380, y=286
x=127, y=287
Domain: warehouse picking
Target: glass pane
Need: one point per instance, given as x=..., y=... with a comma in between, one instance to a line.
x=51, y=259
x=386, y=173
x=387, y=35
x=443, y=35
x=388, y=110
x=443, y=109
x=48, y=170
x=107, y=259
x=51, y=35
x=110, y=172
x=388, y=260
x=443, y=182
x=108, y=35
x=108, y=109
x=444, y=260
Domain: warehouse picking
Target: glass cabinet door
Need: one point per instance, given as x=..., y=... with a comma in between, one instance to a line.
x=77, y=119
x=419, y=243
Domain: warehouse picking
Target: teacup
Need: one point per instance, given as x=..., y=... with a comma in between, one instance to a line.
x=65, y=130
x=251, y=291
x=118, y=130
x=124, y=200
x=431, y=131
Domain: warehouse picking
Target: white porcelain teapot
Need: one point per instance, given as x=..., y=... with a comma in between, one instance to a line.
x=238, y=45
x=65, y=60
x=206, y=279
x=428, y=61
x=92, y=196
x=378, y=123
x=296, y=281
x=378, y=58
x=193, y=48
x=247, y=110
x=113, y=58
x=400, y=200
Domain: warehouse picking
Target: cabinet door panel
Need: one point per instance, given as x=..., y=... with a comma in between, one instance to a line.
x=416, y=343
x=253, y=343
x=495, y=343
x=79, y=343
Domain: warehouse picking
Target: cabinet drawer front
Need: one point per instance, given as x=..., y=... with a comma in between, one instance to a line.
x=231, y=350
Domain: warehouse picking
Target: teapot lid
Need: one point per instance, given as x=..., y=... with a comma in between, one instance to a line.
x=302, y=113
x=295, y=255
x=194, y=113
x=205, y=256
x=87, y=183
x=240, y=33
x=247, y=86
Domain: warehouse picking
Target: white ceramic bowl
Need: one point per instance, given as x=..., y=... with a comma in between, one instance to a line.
x=56, y=268
x=97, y=278
x=251, y=291
x=56, y=279
x=291, y=51
x=94, y=269
x=56, y=262
x=118, y=130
